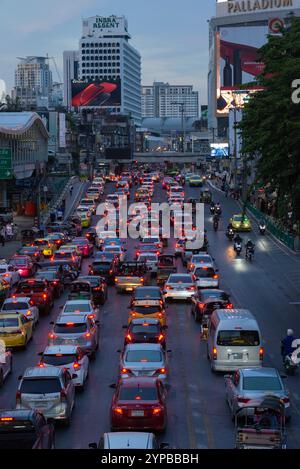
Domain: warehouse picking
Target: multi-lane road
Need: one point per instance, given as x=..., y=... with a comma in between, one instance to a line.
x=198, y=416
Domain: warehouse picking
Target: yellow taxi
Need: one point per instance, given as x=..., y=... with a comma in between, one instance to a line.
x=46, y=246
x=86, y=219
x=195, y=180
x=15, y=329
x=241, y=222
x=146, y=309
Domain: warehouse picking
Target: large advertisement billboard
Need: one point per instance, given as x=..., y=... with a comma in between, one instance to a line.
x=237, y=62
x=96, y=93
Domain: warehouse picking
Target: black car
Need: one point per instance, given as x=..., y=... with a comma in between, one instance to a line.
x=147, y=293
x=68, y=272
x=32, y=251
x=55, y=278
x=25, y=429
x=104, y=268
x=99, y=288
x=91, y=235
x=207, y=301
x=148, y=331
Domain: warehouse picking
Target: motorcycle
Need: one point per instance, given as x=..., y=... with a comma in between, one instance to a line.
x=262, y=228
x=249, y=254
x=238, y=248
x=218, y=211
x=230, y=234
x=290, y=365
x=212, y=209
x=216, y=225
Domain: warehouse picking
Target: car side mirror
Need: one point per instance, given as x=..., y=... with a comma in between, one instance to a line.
x=113, y=386
x=93, y=445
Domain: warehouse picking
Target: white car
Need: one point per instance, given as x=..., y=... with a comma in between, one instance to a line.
x=179, y=287
x=205, y=276
x=102, y=235
x=144, y=360
x=119, y=251
x=5, y=365
x=150, y=259
x=201, y=258
x=70, y=357
x=128, y=440
x=84, y=307
x=9, y=273
x=21, y=305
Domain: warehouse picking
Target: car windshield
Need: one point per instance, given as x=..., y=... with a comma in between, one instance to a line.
x=94, y=281
x=147, y=294
x=74, y=308
x=59, y=359
x=143, y=356
x=261, y=383
x=216, y=295
x=70, y=328
x=48, y=275
x=63, y=255
x=3, y=270
x=180, y=279
x=140, y=329
x=202, y=272
x=9, y=322
x=238, y=338
x=14, y=306
x=40, y=386
x=147, y=309
x=138, y=394
x=36, y=287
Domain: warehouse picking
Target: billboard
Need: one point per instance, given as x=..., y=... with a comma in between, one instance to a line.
x=96, y=93
x=219, y=150
x=237, y=61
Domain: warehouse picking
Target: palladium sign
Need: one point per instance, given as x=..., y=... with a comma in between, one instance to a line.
x=246, y=6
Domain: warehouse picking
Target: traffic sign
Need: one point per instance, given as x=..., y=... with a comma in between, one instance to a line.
x=6, y=163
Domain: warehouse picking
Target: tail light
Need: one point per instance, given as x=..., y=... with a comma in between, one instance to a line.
x=215, y=354
x=55, y=282
x=133, y=315
x=141, y=279
x=77, y=366
x=118, y=410
x=128, y=337
x=229, y=306
x=192, y=288
x=18, y=397
x=156, y=411
x=261, y=353
x=125, y=371
x=28, y=313
x=201, y=305
x=286, y=400
x=216, y=276
x=110, y=271
x=87, y=335
x=161, y=337
x=160, y=315
x=161, y=371
x=6, y=419
x=168, y=287
x=116, y=280
x=45, y=296
x=92, y=316
x=41, y=365
x=52, y=336
x=243, y=400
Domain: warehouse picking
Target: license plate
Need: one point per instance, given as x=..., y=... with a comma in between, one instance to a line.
x=70, y=341
x=137, y=413
x=129, y=289
x=237, y=356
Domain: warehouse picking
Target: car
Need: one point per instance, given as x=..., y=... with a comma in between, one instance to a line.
x=147, y=248
x=24, y=265
x=147, y=309
x=70, y=357
x=5, y=365
x=54, y=279
x=206, y=301
x=10, y=274
x=40, y=293
x=23, y=306
x=240, y=223
x=15, y=330
x=86, y=248
x=90, y=204
x=58, y=239
x=105, y=268
x=99, y=288
x=205, y=276
x=128, y=440
x=119, y=251
x=144, y=359
x=75, y=329
x=153, y=240
x=102, y=235
x=151, y=261
x=196, y=181
x=147, y=293
x=145, y=330
x=33, y=252
x=48, y=389
x=179, y=287
x=131, y=275
x=202, y=258
x=25, y=429
x=68, y=255
x=86, y=219
x=252, y=383
x=46, y=246
x=91, y=235
x=139, y=404
x=85, y=307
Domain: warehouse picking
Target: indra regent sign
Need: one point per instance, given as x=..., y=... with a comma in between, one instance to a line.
x=246, y=6
x=106, y=23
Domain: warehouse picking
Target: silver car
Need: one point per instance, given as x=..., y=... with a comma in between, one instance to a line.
x=128, y=440
x=179, y=287
x=143, y=360
x=21, y=305
x=201, y=258
x=205, y=276
x=76, y=330
x=70, y=357
x=49, y=390
x=85, y=307
x=253, y=383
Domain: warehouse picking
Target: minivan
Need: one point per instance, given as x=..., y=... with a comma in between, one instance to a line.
x=234, y=340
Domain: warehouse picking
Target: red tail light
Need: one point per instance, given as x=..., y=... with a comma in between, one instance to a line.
x=157, y=410
x=261, y=353
x=161, y=337
x=125, y=371
x=76, y=366
x=118, y=410
x=160, y=315
x=168, y=287
x=41, y=365
x=242, y=400
x=192, y=288
x=215, y=354
x=55, y=282
x=142, y=280
x=45, y=296
x=87, y=335
x=6, y=419
x=286, y=400
x=216, y=276
x=128, y=337
x=18, y=397
x=229, y=306
x=201, y=305
x=92, y=316
x=161, y=371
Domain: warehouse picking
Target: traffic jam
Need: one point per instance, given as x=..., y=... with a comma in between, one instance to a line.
x=82, y=288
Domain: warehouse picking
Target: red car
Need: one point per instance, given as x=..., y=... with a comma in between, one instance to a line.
x=39, y=291
x=139, y=404
x=24, y=264
x=84, y=246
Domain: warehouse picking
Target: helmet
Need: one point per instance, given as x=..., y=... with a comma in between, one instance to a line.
x=290, y=332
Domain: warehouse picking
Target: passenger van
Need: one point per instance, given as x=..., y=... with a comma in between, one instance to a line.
x=234, y=340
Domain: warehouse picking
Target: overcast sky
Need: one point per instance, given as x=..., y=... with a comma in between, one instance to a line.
x=171, y=35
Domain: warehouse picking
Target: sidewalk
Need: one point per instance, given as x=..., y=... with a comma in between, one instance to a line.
x=24, y=223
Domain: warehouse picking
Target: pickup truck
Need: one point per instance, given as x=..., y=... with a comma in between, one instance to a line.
x=131, y=275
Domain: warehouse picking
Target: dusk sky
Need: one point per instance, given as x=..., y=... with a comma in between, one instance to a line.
x=171, y=35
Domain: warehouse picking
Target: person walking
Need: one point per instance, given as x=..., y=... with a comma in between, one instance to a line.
x=9, y=231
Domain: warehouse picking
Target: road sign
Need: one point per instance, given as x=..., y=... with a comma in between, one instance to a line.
x=6, y=163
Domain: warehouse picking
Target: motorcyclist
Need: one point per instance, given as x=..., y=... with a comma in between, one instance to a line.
x=212, y=207
x=250, y=245
x=287, y=344
x=237, y=239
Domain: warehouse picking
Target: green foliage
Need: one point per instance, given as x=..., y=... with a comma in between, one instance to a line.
x=271, y=121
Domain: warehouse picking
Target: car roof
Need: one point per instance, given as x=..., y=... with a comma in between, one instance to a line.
x=141, y=321
x=76, y=318
x=37, y=372
x=17, y=299
x=78, y=302
x=259, y=372
x=63, y=349
x=236, y=317
x=201, y=265
x=143, y=347
x=137, y=381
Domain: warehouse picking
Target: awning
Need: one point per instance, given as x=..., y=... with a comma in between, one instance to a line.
x=23, y=171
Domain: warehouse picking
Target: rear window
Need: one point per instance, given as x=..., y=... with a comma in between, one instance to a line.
x=151, y=329
x=102, y=265
x=180, y=279
x=204, y=273
x=72, y=308
x=9, y=322
x=63, y=255
x=217, y=295
x=132, y=270
x=143, y=356
x=147, y=294
x=261, y=383
x=147, y=309
x=58, y=360
x=2, y=271
x=136, y=394
x=40, y=386
x=14, y=306
x=47, y=275
x=70, y=328
x=29, y=287
x=94, y=281
x=18, y=262
x=238, y=338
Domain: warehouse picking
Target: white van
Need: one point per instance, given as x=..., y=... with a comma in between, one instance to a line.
x=234, y=340
x=128, y=440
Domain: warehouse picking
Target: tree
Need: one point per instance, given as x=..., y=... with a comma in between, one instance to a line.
x=271, y=120
x=11, y=105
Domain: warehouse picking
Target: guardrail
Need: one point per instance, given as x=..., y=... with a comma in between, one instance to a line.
x=286, y=238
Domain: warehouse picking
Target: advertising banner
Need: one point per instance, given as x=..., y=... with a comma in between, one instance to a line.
x=96, y=93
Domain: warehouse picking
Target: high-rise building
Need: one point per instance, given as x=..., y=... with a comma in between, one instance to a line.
x=165, y=100
x=105, y=55
x=71, y=72
x=33, y=81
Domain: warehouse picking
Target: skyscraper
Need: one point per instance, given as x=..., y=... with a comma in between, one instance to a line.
x=71, y=72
